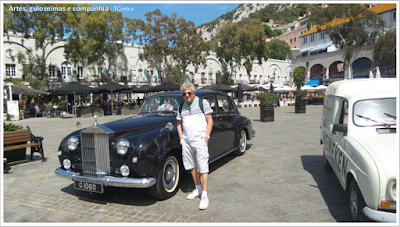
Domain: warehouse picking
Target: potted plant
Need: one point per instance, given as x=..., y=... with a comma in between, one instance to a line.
x=266, y=106
x=300, y=104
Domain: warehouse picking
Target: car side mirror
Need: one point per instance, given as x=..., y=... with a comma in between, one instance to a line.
x=168, y=126
x=340, y=128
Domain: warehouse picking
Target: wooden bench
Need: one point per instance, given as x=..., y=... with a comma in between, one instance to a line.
x=21, y=138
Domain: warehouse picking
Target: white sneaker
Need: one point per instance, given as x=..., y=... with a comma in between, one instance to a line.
x=193, y=195
x=203, y=203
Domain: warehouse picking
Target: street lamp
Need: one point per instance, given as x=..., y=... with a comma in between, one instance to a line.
x=271, y=88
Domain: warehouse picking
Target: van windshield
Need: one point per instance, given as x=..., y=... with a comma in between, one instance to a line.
x=375, y=112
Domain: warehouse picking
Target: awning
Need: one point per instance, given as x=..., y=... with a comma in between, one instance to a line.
x=305, y=50
x=313, y=82
x=320, y=47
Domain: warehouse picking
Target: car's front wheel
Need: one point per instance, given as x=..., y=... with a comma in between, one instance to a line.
x=167, y=179
x=241, y=149
x=357, y=202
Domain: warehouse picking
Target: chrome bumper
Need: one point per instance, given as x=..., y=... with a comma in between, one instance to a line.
x=377, y=215
x=254, y=133
x=108, y=180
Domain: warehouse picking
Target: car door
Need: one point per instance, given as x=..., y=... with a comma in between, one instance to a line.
x=217, y=141
x=227, y=114
x=338, y=154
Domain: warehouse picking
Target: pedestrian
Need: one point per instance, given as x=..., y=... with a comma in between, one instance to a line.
x=194, y=129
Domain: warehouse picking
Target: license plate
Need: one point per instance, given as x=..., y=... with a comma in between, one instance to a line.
x=90, y=187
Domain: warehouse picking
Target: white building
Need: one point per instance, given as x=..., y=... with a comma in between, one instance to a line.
x=129, y=67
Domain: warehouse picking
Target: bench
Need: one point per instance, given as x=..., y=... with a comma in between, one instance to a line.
x=19, y=139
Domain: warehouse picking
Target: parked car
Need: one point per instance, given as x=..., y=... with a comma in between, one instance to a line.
x=144, y=151
x=358, y=133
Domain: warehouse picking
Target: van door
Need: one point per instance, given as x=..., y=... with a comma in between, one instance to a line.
x=337, y=145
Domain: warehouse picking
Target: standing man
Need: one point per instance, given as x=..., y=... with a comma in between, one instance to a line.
x=194, y=129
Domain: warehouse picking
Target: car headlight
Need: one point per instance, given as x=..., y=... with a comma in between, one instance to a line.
x=67, y=163
x=73, y=142
x=122, y=146
x=391, y=189
x=124, y=170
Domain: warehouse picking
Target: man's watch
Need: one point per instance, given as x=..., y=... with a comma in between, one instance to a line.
x=208, y=137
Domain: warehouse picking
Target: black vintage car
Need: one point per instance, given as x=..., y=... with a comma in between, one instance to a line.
x=144, y=151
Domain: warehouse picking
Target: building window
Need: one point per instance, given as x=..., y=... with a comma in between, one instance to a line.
x=305, y=40
x=52, y=71
x=10, y=70
x=322, y=36
x=210, y=78
x=394, y=16
x=291, y=40
x=311, y=38
x=66, y=70
x=295, y=39
x=80, y=72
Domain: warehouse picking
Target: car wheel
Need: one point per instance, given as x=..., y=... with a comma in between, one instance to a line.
x=327, y=166
x=167, y=179
x=357, y=202
x=241, y=149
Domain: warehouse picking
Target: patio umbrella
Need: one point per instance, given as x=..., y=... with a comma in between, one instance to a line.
x=167, y=87
x=145, y=89
x=72, y=88
x=320, y=88
x=25, y=90
x=283, y=89
x=221, y=87
x=307, y=88
x=111, y=87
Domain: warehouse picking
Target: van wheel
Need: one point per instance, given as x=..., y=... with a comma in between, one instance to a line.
x=241, y=149
x=327, y=166
x=357, y=203
x=167, y=179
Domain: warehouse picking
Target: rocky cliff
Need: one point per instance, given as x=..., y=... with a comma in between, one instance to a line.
x=242, y=12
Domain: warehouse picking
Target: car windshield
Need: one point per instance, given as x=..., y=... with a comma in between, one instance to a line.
x=375, y=112
x=166, y=103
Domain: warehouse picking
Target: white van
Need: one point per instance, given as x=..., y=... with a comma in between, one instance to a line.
x=358, y=134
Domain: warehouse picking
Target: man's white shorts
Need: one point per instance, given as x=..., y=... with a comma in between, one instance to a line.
x=195, y=154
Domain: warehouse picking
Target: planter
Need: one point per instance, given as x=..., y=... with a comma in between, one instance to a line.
x=318, y=101
x=266, y=113
x=17, y=154
x=300, y=107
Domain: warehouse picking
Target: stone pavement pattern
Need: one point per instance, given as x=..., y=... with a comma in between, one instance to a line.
x=280, y=178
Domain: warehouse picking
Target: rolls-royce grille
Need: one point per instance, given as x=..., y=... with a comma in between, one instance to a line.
x=95, y=154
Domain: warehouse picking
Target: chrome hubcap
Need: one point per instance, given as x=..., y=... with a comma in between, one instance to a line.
x=170, y=171
x=242, y=141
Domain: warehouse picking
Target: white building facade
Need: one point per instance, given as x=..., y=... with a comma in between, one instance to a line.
x=129, y=67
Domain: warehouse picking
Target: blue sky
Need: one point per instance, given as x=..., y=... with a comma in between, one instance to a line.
x=198, y=13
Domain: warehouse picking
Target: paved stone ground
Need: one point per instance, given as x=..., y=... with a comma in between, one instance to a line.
x=279, y=179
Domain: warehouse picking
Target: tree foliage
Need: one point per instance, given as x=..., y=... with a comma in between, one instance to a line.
x=177, y=76
x=348, y=25
x=47, y=28
x=224, y=76
x=298, y=77
x=242, y=44
x=384, y=54
x=252, y=45
x=227, y=50
x=168, y=41
x=279, y=49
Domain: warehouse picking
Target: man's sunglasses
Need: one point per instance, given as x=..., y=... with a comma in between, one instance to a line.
x=187, y=93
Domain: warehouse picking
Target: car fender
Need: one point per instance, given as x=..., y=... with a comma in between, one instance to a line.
x=365, y=172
